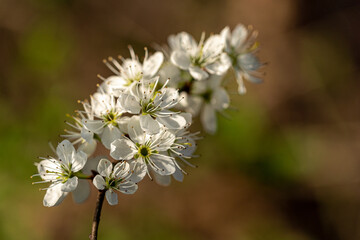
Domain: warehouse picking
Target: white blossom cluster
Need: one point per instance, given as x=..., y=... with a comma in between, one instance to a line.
x=198, y=70
x=142, y=113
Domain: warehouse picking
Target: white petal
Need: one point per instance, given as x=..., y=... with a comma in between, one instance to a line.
x=169, y=70
x=136, y=91
x=216, y=68
x=248, y=62
x=110, y=134
x=238, y=36
x=44, y=166
x=129, y=103
x=65, y=151
x=219, y=67
x=123, y=124
x=97, y=103
x=190, y=146
x=252, y=79
x=198, y=73
x=112, y=84
x=122, y=149
x=82, y=191
x=96, y=126
x=180, y=59
x=78, y=161
x=194, y=106
x=121, y=170
x=105, y=168
x=132, y=68
x=226, y=35
x=220, y=99
x=187, y=42
x=70, y=184
x=128, y=188
x=135, y=131
x=139, y=171
x=208, y=119
x=111, y=197
x=213, y=46
x=188, y=117
x=240, y=81
x=164, y=164
x=162, y=179
x=175, y=121
x=168, y=98
x=184, y=100
x=88, y=147
x=148, y=124
x=178, y=175
x=152, y=64
x=163, y=141
x=99, y=182
x=173, y=42
x=182, y=41
x=87, y=134
x=54, y=196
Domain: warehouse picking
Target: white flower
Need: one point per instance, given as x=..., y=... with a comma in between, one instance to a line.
x=182, y=150
x=62, y=174
x=207, y=97
x=199, y=59
x=184, y=145
x=106, y=118
x=154, y=106
x=240, y=45
x=114, y=178
x=145, y=151
x=131, y=71
x=81, y=136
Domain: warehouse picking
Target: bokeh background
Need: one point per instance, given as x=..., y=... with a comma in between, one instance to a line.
x=286, y=166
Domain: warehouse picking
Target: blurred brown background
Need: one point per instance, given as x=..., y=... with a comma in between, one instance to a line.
x=285, y=167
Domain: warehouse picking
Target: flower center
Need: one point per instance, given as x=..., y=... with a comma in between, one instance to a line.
x=110, y=118
x=144, y=151
x=197, y=61
x=233, y=56
x=65, y=174
x=112, y=183
x=207, y=96
x=148, y=108
x=134, y=78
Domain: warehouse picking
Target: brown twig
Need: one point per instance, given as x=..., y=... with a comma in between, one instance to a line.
x=97, y=213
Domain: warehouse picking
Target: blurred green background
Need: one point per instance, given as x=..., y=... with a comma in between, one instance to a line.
x=284, y=167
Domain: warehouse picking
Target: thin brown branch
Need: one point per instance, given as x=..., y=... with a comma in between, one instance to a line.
x=97, y=214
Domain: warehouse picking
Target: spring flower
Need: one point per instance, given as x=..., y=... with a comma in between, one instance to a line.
x=142, y=114
x=182, y=150
x=62, y=174
x=241, y=46
x=81, y=136
x=215, y=99
x=201, y=59
x=144, y=151
x=207, y=98
x=114, y=178
x=154, y=106
x=131, y=71
x=106, y=118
